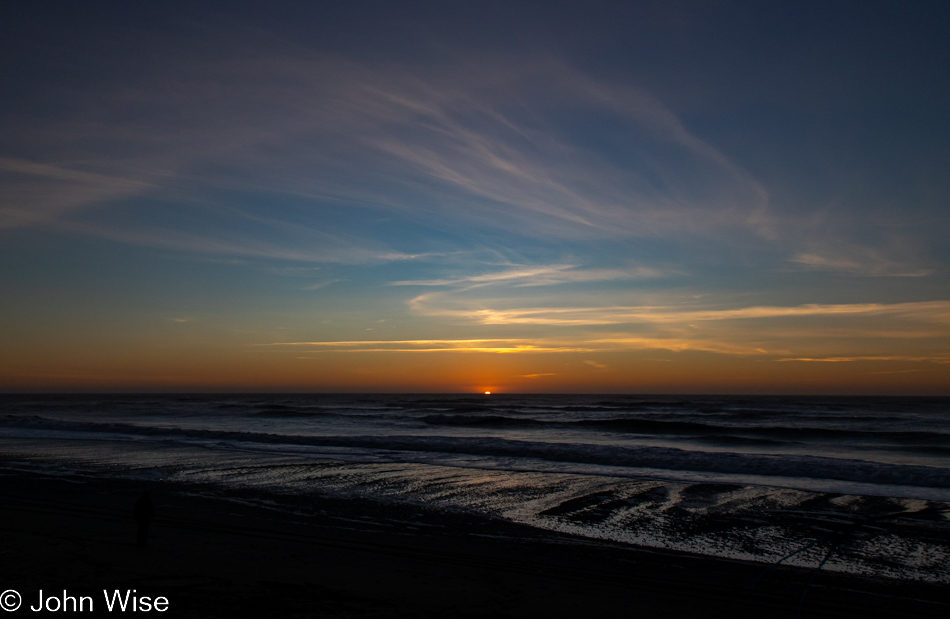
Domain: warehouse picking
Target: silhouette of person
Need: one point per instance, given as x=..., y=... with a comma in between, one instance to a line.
x=144, y=513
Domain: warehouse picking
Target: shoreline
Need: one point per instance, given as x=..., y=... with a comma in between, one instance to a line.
x=753, y=523
x=217, y=552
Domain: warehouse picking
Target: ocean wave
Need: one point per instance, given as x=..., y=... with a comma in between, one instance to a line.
x=494, y=421
x=663, y=458
x=693, y=428
x=727, y=440
x=289, y=413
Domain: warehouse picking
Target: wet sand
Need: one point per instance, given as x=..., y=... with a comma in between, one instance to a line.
x=212, y=554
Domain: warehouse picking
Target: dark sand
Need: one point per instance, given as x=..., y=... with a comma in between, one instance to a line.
x=212, y=556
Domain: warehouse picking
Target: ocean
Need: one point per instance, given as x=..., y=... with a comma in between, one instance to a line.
x=757, y=478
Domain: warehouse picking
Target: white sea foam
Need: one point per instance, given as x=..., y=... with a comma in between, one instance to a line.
x=645, y=471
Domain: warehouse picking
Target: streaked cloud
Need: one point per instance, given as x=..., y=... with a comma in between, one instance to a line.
x=941, y=358
x=33, y=193
x=480, y=144
x=321, y=284
x=490, y=145
x=501, y=145
x=544, y=275
x=311, y=245
x=929, y=311
x=803, y=333
x=708, y=343
x=869, y=262
x=717, y=211
x=617, y=342
x=520, y=345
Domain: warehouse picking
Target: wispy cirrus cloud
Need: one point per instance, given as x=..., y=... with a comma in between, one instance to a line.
x=496, y=345
x=429, y=304
x=35, y=193
x=321, y=284
x=322, y=248
x=942, y=358
x=543, y=275
x=617, y=342
x=837, y=239
x=809, y=332
x=494, y=145
x=533, y=146
x=738, y=341
x=502, y=144
x=861, y=261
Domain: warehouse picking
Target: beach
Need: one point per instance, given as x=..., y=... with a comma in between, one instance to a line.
x=453, y=506
x=217, y=552
x=475, y=309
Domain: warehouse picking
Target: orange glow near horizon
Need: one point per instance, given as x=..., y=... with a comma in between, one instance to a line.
x=485, y=373
x=368, y=218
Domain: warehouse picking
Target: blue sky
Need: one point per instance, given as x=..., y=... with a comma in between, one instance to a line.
x=671, y=196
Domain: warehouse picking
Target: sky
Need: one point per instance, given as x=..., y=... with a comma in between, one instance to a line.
x=458, y=196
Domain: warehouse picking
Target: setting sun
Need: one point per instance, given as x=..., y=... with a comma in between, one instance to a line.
x=264, y=257
x=544, y=221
